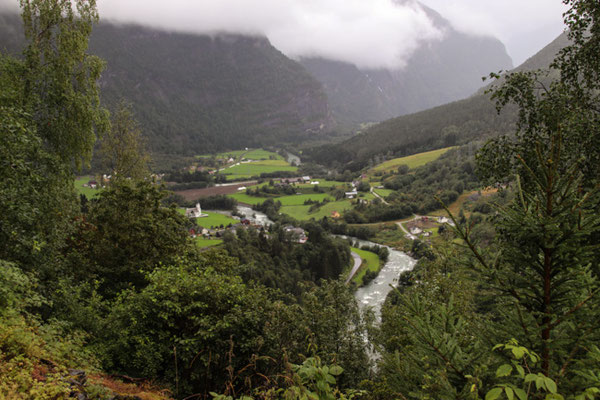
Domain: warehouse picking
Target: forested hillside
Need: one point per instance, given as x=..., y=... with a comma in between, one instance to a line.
x=458, y=122
x=196, y=94
x=112, y=299
x=440, y=71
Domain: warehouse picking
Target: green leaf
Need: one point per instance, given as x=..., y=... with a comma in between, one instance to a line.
x=336, y=370
x=518, y=352
x=520, y=394
x=530, y=378
x=521, y=371
x=510, y=395
x=550, y=385
x=493, y=394
x=539, y=382
x=504, y=370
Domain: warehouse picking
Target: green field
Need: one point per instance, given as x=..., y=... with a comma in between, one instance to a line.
x=255, y=169
x=366, y=196
x=299, y=199
x=213, y=219
x=383, y=192
x=413, y=161
x=276, y=163
x=225, y=154
x=88, y=192
x=260, y=154
x=370, y=263
x=323, y=184
x=301, y=212
x=202, y=243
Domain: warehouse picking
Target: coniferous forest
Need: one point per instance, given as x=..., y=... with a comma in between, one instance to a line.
x=110, y=298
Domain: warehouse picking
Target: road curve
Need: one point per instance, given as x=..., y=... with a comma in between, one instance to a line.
x=357, y=264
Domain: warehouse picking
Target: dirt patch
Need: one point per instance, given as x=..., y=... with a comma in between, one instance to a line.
x=423, y=223
x=193, y=194
x=141, y=389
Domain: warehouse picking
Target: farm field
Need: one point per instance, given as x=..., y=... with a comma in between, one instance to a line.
x=260, y=154
x=213, y=219
x=413, y=161
x=248, y=170
x=370, y=263
x=193, y=194
x=383, y=192
x=301, y=212
x=299, y=199
x=225, y=154
x=203, y=243
x=88, y=192
x=324, y=184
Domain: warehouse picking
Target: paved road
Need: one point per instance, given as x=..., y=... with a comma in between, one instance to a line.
x=357, y=264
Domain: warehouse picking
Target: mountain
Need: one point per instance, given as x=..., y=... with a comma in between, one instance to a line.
x=438, y=72
x=458, y=122
x=196, y=93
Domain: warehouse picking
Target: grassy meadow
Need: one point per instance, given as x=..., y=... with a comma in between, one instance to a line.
x=370, y=263
x=412, y=161
x=213, y=219
x=87, y=191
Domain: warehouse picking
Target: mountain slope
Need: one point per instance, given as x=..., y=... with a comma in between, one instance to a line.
x=454, y=123
x=438, y=72
x=195, y=93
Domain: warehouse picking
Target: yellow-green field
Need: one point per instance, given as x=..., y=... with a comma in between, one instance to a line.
x=370, y=263
x=413, y=161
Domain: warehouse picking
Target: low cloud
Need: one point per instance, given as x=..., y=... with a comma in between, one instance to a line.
x=369, y=34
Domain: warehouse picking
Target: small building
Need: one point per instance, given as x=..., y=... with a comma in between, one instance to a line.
x=306, y=178
x=416, y=230
x=351, y=194
x=195, y=212
x=443, y=220
x=92, y=184
x=335, y=214
x=298, y=234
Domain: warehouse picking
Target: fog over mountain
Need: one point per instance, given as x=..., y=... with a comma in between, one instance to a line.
x=369, y=34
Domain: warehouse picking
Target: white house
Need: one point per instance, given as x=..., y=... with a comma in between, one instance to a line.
x=352, y=194
x=415, y=231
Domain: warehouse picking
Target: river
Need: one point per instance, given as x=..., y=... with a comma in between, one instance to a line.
x=372, y=295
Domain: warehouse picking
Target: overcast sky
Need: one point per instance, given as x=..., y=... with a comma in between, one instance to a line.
x=368, y=33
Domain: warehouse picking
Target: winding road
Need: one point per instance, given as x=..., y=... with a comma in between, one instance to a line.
x=357, y=264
